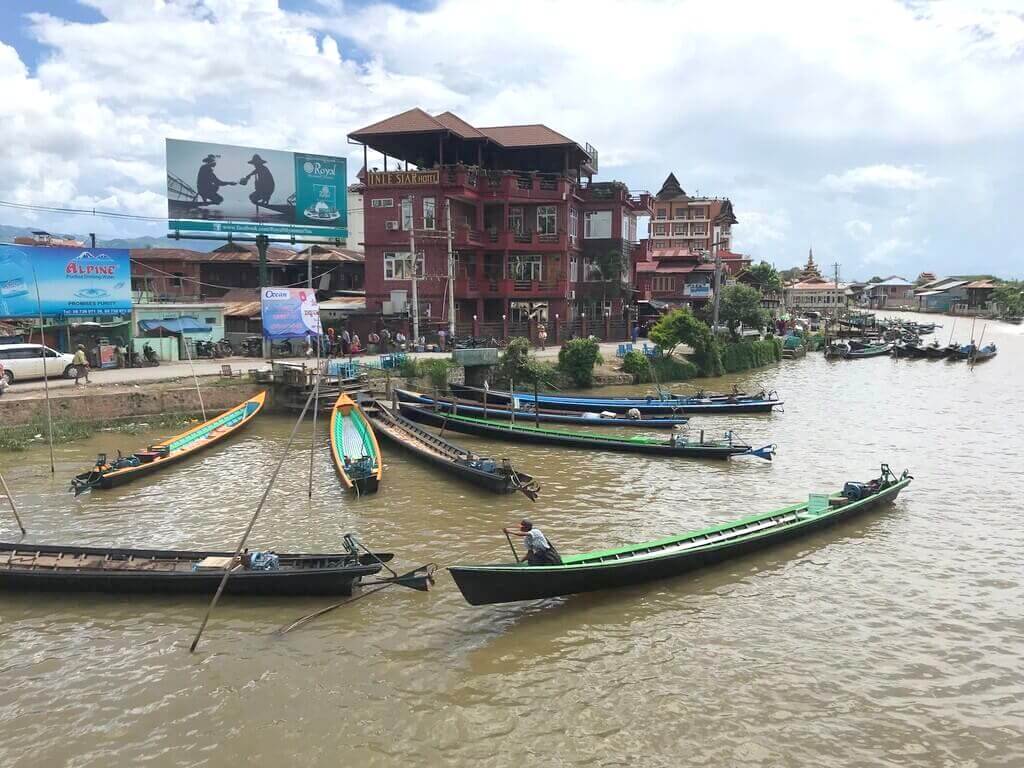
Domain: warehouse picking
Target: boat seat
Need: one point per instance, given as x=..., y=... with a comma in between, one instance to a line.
x=147, y=456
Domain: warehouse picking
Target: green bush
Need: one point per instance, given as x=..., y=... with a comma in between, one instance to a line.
x=409, y=368
x=436, y=371
x=634, y=363
x=664, y=368
x=577, y=359
x=813, y=341
x=750, y=354
x=680, y=327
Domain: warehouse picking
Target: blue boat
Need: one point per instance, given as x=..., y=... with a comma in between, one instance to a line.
x=675, y=405
x=531, y=415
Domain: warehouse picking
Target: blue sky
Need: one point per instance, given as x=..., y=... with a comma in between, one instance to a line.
x=885, y=134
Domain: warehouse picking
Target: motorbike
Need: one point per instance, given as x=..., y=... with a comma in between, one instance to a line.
x=149, y=357
x=204, y=349
x=223, y=348
x=252, y=346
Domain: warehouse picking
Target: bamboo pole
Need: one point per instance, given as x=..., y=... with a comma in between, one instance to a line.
x=248, y=529
x=10, y=500
x=195, y=378
x=46, y=376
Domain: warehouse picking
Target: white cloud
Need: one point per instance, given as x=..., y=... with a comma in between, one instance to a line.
x=857, y=229
x=881, y=176
x=786, y=93
x=887, y=251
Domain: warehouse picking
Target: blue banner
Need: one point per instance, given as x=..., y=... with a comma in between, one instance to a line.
x=72, y=281
x=289, y=313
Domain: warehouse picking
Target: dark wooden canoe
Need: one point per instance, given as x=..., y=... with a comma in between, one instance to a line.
x=109, y=474
x=52, y=568
x=667, y=406
x=504, y=583
x=481, y=471
x=677, y=445
x=503, y=411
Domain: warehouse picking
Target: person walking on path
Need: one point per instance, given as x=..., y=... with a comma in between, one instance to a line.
x=81, y=364
x=542, y=336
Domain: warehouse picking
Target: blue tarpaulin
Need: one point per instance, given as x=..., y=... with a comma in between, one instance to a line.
x=175, y=325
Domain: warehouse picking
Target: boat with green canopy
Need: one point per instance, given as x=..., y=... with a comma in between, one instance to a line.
x=354, y=447
x=672, y=556
x=107, y=474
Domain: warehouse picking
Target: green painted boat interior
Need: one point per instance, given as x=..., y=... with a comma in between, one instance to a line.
x=745, y=528
x=352, y=435
x=569, y=433
x=229, y=419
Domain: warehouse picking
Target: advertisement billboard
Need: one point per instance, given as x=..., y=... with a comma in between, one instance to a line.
x=242, y=190
x=72, y=281
x=289, y=313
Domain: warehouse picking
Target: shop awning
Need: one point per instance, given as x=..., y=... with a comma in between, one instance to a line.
x=175, y=325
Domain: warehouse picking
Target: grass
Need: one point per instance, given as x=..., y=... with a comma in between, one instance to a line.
x=22, y=437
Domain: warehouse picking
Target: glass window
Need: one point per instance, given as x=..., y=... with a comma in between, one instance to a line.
x=598, y=225
x=382, y=202
x=176, y=281
x=574, y=269
x=429, y=213
x=591, y=272
x=678, y=229
x=515, y=220
x=526, y=267
x=573, y=224
x=397, y=267
x=406, y=214
x=547, y=220
x=663, y=213
x=659, y=229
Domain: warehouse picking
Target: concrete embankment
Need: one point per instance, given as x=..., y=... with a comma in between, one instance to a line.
x=98, y=404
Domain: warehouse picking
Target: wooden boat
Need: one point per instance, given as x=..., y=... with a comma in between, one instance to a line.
x=108, y=474
x=972, y=354
x=503, y=411
x=676, y=445
x=476, y=393
x=481, y=471
x=936, y=351
x=762, y=403
x=354, y=448
x=909, y=350
x=846, y=353
x=48, y=567
x=664, y=558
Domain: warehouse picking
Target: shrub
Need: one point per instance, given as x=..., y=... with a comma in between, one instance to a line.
x=577, y=359
x=409, y=368
x=681, y=327
x=634, y=363
x=436, y=371
x=750, y=354
x=515, y=361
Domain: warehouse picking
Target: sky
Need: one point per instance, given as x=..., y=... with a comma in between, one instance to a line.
x=887, y=135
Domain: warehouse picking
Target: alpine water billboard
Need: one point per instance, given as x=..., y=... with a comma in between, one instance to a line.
x=72, y=281
x=228, y=189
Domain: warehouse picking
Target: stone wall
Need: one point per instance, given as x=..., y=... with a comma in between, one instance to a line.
x=110, y=403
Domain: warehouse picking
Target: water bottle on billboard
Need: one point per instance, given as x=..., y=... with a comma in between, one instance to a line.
x=13, y=279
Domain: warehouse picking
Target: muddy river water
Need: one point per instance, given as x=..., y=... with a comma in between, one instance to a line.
x=894, y=639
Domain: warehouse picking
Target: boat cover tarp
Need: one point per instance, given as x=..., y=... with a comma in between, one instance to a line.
x=175, y=325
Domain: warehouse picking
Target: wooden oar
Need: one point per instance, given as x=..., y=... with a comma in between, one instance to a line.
x=512, y=547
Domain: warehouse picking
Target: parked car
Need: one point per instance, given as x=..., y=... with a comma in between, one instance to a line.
x=25, y=361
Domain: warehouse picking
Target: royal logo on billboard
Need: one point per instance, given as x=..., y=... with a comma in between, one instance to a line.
x=88, y=264
x=322, y=170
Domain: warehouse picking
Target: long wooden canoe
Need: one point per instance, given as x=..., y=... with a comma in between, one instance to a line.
x=108, y=474
x=675, y=405
x=53, y=568
x=449, y=458
x=354, y=448
x=676, y=445
x=503, y=411
x=663, y=558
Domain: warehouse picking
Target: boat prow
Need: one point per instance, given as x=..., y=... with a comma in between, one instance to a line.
x=354, y=448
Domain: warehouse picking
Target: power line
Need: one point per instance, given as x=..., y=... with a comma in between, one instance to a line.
x=229, y=287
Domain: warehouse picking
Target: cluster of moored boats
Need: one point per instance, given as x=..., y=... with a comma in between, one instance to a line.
x=904, y=339
x=521, y=417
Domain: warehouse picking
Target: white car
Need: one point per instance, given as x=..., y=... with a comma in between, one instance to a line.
x=25, y=361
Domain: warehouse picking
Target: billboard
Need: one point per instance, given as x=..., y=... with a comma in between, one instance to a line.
x=228, y=189
x=72, y=281
x=289, y=313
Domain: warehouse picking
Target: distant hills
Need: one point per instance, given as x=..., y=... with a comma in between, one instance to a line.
x=8, y=233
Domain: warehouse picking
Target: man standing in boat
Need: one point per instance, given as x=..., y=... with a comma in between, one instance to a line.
x=539, y=551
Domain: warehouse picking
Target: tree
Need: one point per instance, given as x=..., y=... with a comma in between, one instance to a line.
x=517, y=365
x=681, y=327
x=1010, y=297
x=577, y=358
x=610, y=263
x=793, y=273
x=741, y=304
x=765, y=277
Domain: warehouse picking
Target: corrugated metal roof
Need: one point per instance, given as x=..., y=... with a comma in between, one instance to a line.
x=243, y=309
x=981, y=284
x=344, y=303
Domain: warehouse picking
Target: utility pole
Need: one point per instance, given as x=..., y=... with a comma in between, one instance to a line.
x=835, y=268
x=718, y=281
x=412, y=255
x=451, y=270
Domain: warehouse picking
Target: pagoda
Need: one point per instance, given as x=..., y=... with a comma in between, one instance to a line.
x=810, y=270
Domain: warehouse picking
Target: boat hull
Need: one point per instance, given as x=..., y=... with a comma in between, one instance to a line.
x=338, y=580
x=482, y=585
x=523, y=434
x=354, y=443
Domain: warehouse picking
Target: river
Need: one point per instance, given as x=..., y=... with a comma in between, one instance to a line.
x=894, y=639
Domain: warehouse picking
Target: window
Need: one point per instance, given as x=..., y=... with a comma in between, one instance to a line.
x=211, y=321
x=547, y=220
x=659, y=229
x=678, y=229
x=591, y=272
x=661, y=243
x=663, y=213
x=515, y=220
x=573, y=224
x=574, y=269
x=177, y=281
x=698, y=230
x=429, y=213
x=397, y=267
x=382, y=202
x=597, y=225
x=664, y=283
x=526, y=267
x=406, y=214
x=680, y=213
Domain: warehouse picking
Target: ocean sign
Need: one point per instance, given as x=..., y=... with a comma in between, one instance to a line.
x=241, y=190
x=289, y=313
x=72, y=281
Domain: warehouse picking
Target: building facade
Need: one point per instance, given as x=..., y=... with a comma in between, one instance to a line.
x=894, y=291
x=816, y=294
x=528, y=225
x=681, y=221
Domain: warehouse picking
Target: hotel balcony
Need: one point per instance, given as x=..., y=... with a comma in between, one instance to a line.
x=506, y=239
x=472, y=183
x=489, y=287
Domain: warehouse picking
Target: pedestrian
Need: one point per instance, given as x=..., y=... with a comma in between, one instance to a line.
x=542, y=336
x=441, y=334
x=636, y=332
x=385, y=338
x=122, y=354
x=346, y=341
x=400, y=340
x=357, y=345
x=81, y=364
x=373, y=342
